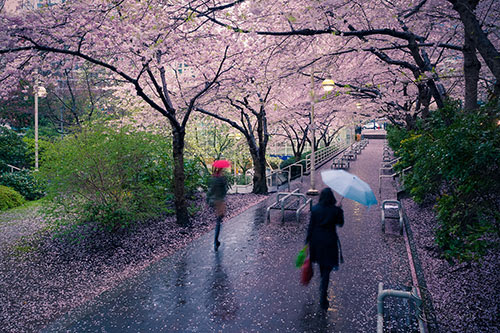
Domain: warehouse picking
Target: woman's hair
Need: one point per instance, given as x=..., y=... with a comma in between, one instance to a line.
x=326, y=197
x=218, y=172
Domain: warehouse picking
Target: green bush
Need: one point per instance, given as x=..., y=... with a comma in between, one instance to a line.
x=9, y=198
x=456, y=164
x=24, y=182
x=110, y=178
x=295, y=169
x=43, y=145
x=12, y=149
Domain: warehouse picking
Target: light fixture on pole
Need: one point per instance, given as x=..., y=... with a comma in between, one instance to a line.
x=39, y=92
x=328, y=85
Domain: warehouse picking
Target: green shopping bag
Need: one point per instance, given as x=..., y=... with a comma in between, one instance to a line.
x=301, y=257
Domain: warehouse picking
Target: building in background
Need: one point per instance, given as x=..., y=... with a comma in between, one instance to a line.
x=12, y=6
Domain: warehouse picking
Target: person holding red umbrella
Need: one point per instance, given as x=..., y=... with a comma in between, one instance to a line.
x=217, y=193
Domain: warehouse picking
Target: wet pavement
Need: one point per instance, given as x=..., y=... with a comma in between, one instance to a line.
x=251, y=284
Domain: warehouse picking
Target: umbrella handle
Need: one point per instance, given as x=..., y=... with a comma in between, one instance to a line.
x=340, y=203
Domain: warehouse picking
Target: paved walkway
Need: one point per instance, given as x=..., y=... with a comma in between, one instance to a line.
x=252, y=285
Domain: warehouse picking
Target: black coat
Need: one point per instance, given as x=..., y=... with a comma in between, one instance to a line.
x=322, y=234
x=218, y=188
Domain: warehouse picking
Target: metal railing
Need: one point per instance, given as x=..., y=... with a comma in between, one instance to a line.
x=325, y=154
x=400, y=174
x=322, y=156
x=12, y=168
x=286, y=170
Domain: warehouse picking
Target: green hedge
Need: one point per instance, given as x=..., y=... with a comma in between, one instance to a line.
x=455, y=158
x=24, y=182
x=9, y=198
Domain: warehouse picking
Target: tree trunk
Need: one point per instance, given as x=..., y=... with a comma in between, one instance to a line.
x=410, y=121
x=483, y=45
x=471, y=74
x=179, y=178
x=259, y=168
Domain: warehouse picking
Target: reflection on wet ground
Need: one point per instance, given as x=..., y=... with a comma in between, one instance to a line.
x=252, y=285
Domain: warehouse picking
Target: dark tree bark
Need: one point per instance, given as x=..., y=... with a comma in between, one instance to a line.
x=472, y=67
x=259, y=164
x=179, y=177
x=472, y=29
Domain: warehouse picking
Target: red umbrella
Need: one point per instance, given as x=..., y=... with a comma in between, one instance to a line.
x=221, y=164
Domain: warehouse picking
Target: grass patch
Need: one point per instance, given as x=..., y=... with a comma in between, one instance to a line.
x=6, y=215
x=22, y=248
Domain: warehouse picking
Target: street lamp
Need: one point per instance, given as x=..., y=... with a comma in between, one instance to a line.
x=39, y=92
x=328, y=85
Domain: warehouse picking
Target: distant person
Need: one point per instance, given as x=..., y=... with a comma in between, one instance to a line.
x=324, y=244
x=217, y=194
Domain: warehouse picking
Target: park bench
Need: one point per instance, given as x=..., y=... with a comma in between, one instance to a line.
x=291, y=201
x=340, y=163
x=350, y=155
x=363, y=143
x=412, y=296
x=391, y=209
x=387, y=155
x=387, y=164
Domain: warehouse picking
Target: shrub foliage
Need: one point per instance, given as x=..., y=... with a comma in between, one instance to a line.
x=9, y=198
x=12, y=149
x=455, y=158
x=24, y=182
x=110, y=178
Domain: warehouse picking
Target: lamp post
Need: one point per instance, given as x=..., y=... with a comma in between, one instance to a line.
x=328, y=85
x=39, y=92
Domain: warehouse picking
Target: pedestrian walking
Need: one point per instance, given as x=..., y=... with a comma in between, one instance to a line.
x=217, y=194
x=323, y=241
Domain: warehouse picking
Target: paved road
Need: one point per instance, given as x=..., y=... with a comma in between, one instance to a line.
x=252, y=285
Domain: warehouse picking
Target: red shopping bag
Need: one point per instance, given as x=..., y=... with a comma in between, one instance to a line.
x=306, y=272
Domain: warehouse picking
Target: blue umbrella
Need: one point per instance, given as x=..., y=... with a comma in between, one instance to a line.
x=349, y=186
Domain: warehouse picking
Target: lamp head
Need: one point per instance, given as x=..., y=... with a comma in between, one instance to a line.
x=42, y=92
x=328, y=85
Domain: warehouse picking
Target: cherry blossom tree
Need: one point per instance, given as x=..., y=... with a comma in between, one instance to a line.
x=140, y=44
x=245, y=57
x=414, y=36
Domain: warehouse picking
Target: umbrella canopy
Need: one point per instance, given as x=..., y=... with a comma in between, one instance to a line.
x=349, y=186
x=221, y=164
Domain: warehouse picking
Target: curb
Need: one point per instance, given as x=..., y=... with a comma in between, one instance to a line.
x=430, y=319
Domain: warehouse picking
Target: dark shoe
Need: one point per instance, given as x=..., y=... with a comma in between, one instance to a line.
x=216, y=245
x=324, y=304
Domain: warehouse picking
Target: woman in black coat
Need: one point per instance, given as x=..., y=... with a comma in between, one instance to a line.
x=217, y=193
x=324, y=245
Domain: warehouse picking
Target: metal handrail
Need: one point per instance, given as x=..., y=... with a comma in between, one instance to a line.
x=325, y=154
x=321, y=156
x=399, y=173
x=12, y=168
